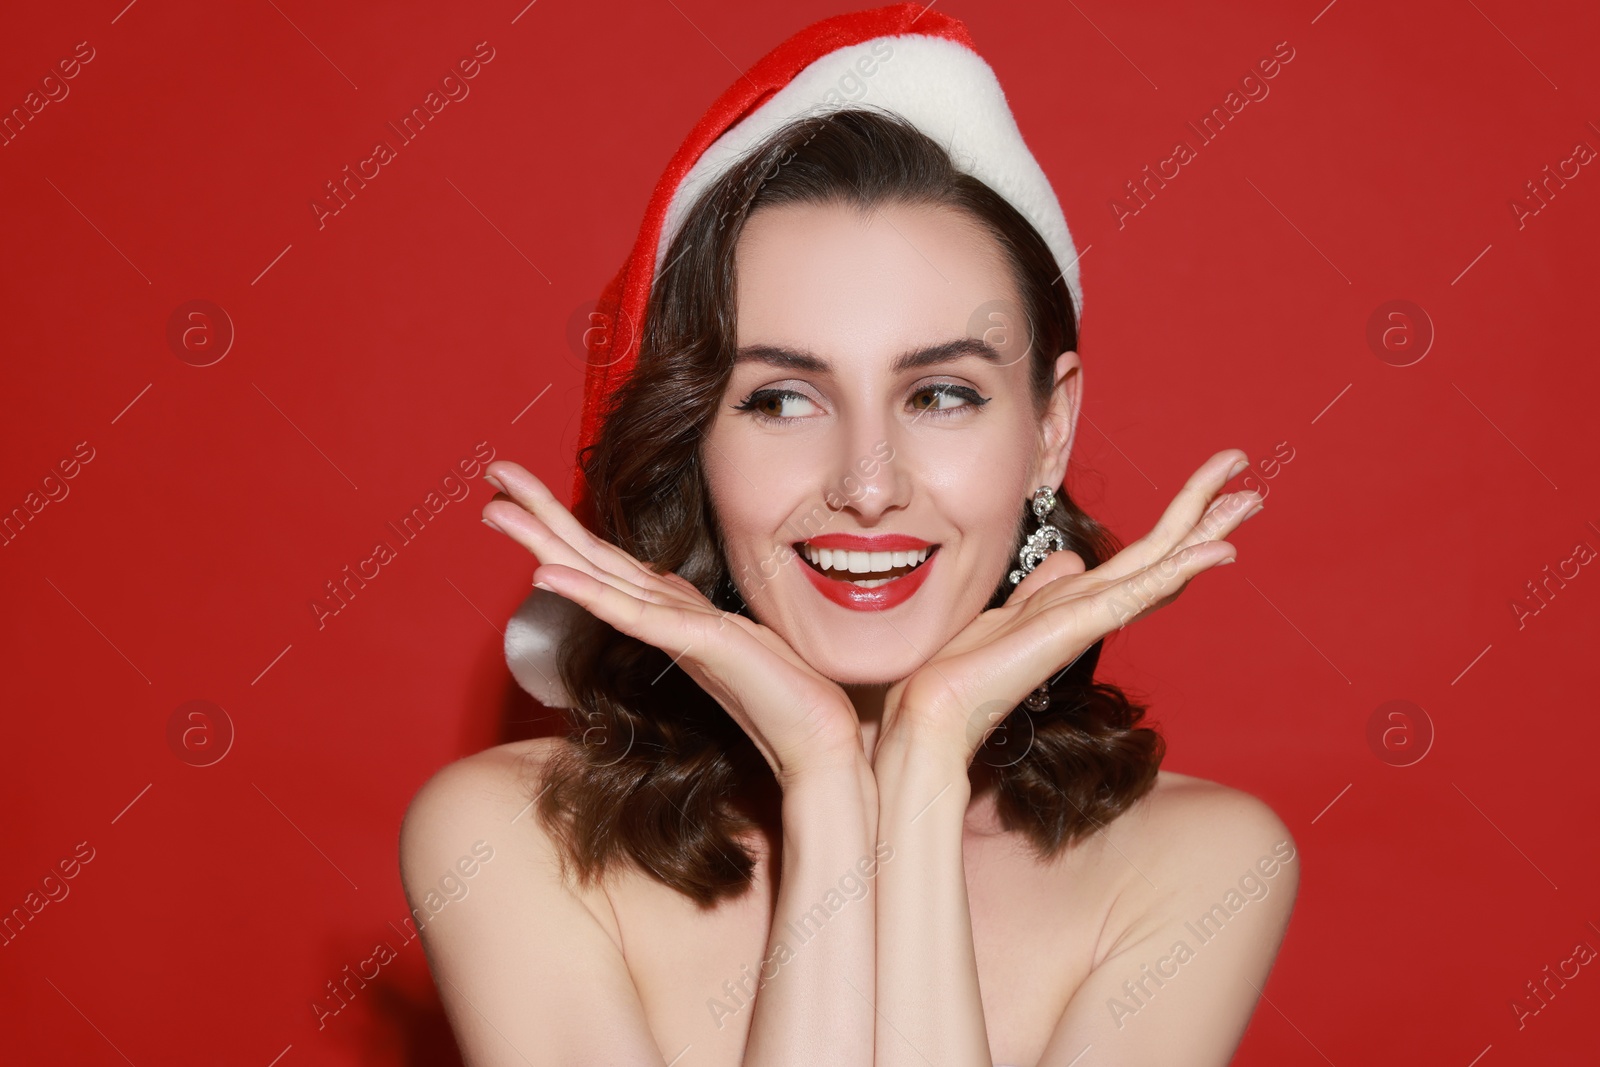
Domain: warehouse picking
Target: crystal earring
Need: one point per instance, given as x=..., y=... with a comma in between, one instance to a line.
x=1043, y=541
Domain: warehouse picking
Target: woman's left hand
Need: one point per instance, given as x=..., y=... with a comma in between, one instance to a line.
x=1057, y=612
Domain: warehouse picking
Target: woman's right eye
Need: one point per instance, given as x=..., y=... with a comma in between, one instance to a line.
x=776, y=405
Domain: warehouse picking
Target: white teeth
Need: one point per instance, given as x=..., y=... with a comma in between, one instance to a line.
x=838, y=559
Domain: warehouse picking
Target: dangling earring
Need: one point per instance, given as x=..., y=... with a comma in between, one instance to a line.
x=1043, y=541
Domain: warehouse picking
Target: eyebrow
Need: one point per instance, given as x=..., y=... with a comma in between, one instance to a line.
x=928, y=356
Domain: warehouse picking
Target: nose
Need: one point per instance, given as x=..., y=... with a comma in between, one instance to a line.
x=867, y=475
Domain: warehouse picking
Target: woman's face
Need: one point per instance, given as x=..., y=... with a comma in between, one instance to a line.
x=875, y=399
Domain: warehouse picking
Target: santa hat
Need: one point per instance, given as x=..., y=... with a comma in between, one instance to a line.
x=904, y=58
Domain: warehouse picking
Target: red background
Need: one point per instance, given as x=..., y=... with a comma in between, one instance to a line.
x=373, y=354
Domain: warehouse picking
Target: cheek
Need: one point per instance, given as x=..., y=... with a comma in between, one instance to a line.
x=978, y=480
x=746, y=498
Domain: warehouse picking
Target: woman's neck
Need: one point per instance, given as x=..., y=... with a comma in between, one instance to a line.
x=868, y=700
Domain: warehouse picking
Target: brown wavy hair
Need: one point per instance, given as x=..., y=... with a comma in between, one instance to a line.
x=657, y=774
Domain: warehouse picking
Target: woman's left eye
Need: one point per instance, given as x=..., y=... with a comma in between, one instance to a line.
x=939, y=398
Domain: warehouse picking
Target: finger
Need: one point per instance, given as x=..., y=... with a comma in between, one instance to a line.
x=635, y=615
x=1223, y=517
x=1179, y=520
x=1150, y=588
x=526, y=490
x=1059, y=564
x=535, y=535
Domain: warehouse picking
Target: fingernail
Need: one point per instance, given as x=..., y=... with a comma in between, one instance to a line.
x=1235, y=469
x=493, y=526
x=1230, y=559
x=492, y=480
x=1253, y=511
x=541, y=585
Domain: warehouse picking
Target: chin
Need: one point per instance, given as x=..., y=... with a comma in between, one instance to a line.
x=851, y=667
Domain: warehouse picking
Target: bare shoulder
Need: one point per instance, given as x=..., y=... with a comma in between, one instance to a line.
x=1207, y=879
x=1190, y=843
x=486, y=797
x=1185, y=819
x=487, y=783
x=527, y=969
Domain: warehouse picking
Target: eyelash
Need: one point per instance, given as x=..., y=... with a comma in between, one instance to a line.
x=973, y=400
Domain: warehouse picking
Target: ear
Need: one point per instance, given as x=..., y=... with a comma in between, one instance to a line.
x=1060, y=421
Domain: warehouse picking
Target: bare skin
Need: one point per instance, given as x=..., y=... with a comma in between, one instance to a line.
x=1144, y=943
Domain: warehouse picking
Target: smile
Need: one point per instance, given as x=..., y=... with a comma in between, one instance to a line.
x=867, y=573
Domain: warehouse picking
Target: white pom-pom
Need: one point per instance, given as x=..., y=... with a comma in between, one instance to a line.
x=532, y=638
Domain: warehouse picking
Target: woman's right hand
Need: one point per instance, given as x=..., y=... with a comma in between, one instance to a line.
x=799, y=720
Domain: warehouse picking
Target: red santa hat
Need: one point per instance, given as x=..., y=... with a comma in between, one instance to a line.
x=904, y=58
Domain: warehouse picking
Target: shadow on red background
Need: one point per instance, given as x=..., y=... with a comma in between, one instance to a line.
x=221, y=481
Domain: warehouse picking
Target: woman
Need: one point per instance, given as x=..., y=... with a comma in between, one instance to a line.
x=840, y=787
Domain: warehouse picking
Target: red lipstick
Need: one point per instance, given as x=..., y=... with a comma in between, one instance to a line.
x=879, y=598
x=875, y=543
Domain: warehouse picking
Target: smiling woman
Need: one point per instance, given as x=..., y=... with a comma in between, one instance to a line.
x=800, y=633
